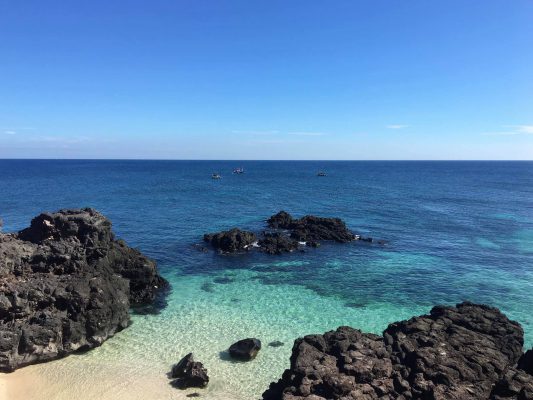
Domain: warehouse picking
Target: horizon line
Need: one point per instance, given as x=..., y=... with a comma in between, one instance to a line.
x=266, y=159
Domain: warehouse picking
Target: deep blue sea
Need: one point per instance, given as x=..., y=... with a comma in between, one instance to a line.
x=455, y=230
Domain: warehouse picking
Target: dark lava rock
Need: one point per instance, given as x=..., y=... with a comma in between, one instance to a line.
x=286, y=236
x=276, y=343
x=281, y=220
x=463, y=352
x=311, y=228
x=179, y=369
x=66, y=284
x=277, y=243
x=189, y=373
x=231, y=241
x=526, y=362
x=245, y=349
x=515, y=384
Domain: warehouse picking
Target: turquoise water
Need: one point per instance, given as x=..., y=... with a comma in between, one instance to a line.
x=456, y=231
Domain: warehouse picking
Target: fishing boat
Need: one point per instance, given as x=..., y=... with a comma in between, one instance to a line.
x=238, y=171
x=321, y=173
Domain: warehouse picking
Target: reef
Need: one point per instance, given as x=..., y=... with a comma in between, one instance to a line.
x=285, y=234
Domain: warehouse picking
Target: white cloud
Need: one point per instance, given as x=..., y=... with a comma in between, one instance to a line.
x=256, y=133
x=10, y=132
x=397, y=126
x=513, y=130
x=306, y=133
x=525, y=129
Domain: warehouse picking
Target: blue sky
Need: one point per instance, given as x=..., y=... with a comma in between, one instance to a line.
x=267, y=79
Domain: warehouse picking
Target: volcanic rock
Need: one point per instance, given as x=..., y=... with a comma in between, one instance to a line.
x=231, y=241
x=189, y=373
x=463, y=352
x=245, y=349
x=66, y=284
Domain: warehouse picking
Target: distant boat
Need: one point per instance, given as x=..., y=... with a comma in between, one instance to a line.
x=321, y=173
x=215, y=176
x=238, y=171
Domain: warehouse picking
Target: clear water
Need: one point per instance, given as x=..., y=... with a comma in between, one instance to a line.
x=456, y=231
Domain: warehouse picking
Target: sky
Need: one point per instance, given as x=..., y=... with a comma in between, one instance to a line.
x=270, y=79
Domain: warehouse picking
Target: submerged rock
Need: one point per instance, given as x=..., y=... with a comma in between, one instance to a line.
x=231, y=241
x=245, y=349
x=66, y=284
x=189, y=373
x=463, y=352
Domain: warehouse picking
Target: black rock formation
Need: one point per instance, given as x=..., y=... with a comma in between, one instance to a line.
x=231, y=241
x=465, y=352
x=277, y=243
x=526, y=362
x=311, y=228
x=66, y=284
x=245, y=349
x=189, y=373
x=287, y=234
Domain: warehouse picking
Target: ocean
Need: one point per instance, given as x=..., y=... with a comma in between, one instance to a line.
x=455, y=231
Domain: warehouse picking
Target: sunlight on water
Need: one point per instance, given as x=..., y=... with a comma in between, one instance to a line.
x=134, y=363
x=455, y=231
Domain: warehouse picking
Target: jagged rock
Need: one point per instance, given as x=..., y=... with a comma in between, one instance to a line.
x=281, y=220
x=453, y=353
x=514, y=385
x=526, y=362
x=288, y=235
x=311, y=228
x=245, y=349
x=276, y=243
x=179, y=369
x=189, y=373
x=66, y=284
x=231, y=241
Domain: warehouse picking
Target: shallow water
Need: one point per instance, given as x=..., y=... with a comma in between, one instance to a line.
x=456, y=231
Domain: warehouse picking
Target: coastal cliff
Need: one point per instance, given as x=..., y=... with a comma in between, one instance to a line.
x=66, y=284
x=465, y=352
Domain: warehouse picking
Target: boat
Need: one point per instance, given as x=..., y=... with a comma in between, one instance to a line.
x=215, y=176
x=321, y=173
x=238, y=171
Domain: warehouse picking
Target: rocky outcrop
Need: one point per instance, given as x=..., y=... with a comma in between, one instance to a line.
x=189, y=373
x=277, y=243
x=231, y=241
x=245, y=349
x=311, y=228
x=66, y=284
x=286, y=234
x=517, y=383
x=465, y=352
